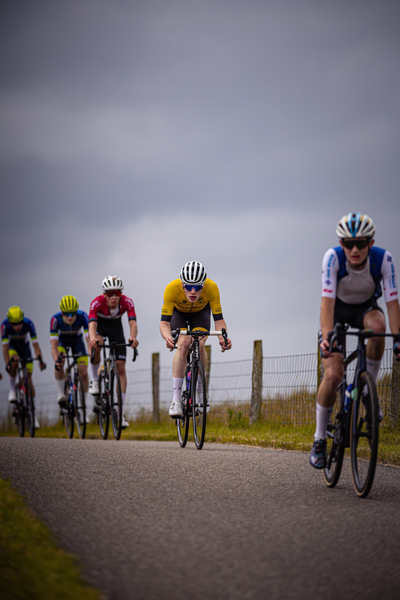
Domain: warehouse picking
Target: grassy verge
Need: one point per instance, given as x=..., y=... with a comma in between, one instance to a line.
x=31, y=563
x=233, y=428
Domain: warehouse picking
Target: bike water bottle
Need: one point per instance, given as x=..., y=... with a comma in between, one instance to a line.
x=188, y=379
x=347, y=396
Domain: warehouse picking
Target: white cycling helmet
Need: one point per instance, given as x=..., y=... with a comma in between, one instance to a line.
x=112, y=282
x=355, y=225
x=193, y=273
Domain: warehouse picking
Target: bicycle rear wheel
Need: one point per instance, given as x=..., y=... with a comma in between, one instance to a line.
x=335, y=442
x=30, y=411
x=199, y=413
x=116, y=403
x=364, y=435
x=20, y=411
x=68, y=411
x=183, y=423
x=80, y=407
x=103, y=415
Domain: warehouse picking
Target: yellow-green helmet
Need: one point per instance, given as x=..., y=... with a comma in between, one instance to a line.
x=15, y=314
x=69, y=304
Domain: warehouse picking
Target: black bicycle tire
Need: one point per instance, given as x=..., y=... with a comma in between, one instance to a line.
x=335, y=452
x=68, y=412
x=183, y=423
x=198, y=418
x=30, y=410
x=116, y=405
x=80, y=408
x=362, y=484
x=103, y=416
x=20, y=416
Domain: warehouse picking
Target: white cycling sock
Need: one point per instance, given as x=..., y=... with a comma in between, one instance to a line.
x=95, y=374
x=323, y=415
x=60, y=387
x=177, y=384
x=13, y=381
x=373, y=367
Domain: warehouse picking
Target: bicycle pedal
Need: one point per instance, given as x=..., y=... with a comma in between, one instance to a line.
x=96, y=409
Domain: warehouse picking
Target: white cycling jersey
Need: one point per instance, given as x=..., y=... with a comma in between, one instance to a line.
x=357, y=286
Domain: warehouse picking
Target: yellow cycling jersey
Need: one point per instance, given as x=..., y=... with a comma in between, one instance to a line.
x=174, y=297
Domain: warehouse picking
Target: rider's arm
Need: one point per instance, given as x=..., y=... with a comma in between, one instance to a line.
x=6, y=355
x=133, y=331
x=393, y=309
x=219, y=325
x=54, y=348
x=327, y=319
x=165, y=330
x=92, y=334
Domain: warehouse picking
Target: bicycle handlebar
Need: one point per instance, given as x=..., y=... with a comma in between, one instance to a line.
x=340, y=329
x=198, y=333
x=114, y=345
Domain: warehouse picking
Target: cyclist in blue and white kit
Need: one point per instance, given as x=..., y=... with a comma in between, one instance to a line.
x=15, y=333
x=352, y=274
x=66, y=329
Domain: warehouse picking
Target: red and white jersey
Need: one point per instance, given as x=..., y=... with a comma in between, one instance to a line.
x=100, y=309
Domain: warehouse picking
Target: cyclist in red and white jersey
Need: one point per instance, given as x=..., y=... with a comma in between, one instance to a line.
x=352, y=274
x=105, y=320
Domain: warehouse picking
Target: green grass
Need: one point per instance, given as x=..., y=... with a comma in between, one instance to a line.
x=31, y=563
x=231, y=427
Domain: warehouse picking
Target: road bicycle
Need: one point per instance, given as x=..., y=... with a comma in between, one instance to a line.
x=356, y=424
x=109, y=400
x=194, y=405
x=24, y=405
x=74, y=392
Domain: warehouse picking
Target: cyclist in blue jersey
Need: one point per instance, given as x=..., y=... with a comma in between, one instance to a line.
x=352, y=274
x=66, y=329
x=16, y=330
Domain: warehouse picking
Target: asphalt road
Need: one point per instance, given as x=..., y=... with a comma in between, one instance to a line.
x=149, y=520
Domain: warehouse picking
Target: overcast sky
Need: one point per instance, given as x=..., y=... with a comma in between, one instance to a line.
x=139, y=135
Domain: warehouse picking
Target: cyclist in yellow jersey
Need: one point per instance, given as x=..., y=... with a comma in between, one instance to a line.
x=189, y=299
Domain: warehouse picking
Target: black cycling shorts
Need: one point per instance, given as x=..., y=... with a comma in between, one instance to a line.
x=195, y=319
x=350, y=314
x=113, y=330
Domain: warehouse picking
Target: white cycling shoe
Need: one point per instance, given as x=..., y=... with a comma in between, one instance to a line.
x=200, y=406
x=176, y=409
x=124, y=422
x=37, y=424
x=12, y=396
x=94, y=387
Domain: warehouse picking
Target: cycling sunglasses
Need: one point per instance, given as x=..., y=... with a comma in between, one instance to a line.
x=69, y=314
x=359, y=244
x=112, y=293
x=196, y=288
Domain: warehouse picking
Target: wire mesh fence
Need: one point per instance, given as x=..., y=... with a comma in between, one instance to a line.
x=289, y=388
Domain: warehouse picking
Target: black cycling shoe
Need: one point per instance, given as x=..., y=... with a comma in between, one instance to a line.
x=318, y=454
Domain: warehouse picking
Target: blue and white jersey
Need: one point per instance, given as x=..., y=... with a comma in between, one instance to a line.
x=352, y=286
x=60, y=329
x=18, y=338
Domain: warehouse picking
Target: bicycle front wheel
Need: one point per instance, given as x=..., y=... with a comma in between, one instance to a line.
x=364, y=435
x=199, y=405
x=68, y=412
x=103, y=408
x=20, y=412
x=116, y=403
x=30, y=411
x=80, y=407
x=183, y=423
x=335, y=443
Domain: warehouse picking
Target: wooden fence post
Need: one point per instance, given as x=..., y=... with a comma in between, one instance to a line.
x=395, y=393
x=208, y=352
x=256, y=383
x=155, y=379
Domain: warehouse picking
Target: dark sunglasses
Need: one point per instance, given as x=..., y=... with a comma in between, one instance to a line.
x=112, y=293
x=359, y=244
x=196, y=288
x=69, y=314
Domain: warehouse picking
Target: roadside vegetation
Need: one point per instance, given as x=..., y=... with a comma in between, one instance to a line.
x=231, y=426
x=31, y=563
